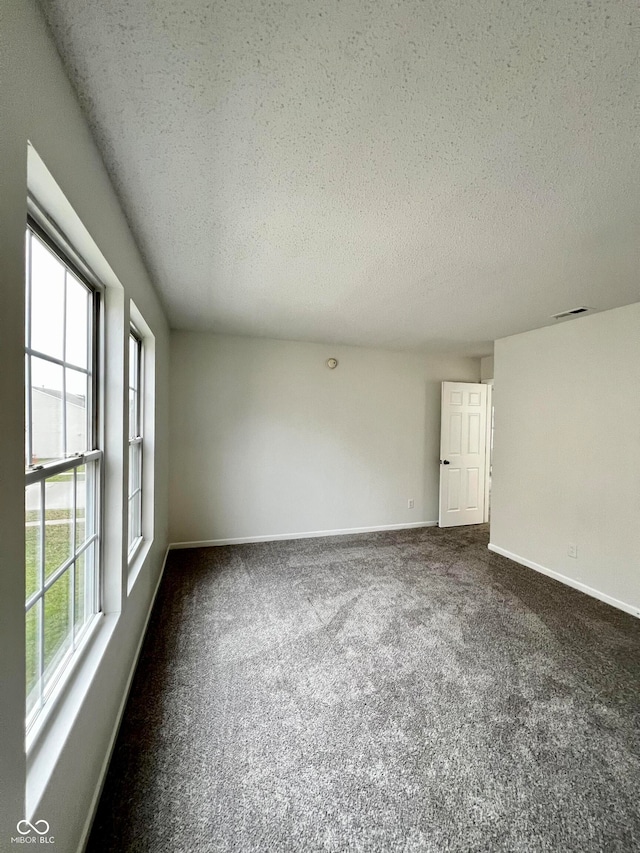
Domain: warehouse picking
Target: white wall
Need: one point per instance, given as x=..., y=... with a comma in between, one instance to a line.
x=566, y=465
x=38, y=104
x=486, y=367
x=266, y=440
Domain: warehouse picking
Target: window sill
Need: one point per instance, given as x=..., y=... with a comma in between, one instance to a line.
x=47, y=737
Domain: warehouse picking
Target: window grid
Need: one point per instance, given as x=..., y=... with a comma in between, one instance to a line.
x=59, y=535
x=135, y=442
x=48, y=358
x=27, y=338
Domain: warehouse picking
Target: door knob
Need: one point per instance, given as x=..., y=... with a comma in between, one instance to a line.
x=445, y=462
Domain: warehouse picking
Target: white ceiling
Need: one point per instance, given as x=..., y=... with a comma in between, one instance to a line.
x=401, y=173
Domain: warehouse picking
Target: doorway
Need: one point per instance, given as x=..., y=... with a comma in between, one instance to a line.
x=466, y=441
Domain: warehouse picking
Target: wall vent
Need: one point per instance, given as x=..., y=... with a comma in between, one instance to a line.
x=570, y=313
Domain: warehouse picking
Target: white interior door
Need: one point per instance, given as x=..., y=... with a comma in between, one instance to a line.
x=463, y=437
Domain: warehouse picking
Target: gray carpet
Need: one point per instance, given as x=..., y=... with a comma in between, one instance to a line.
x=401, y=691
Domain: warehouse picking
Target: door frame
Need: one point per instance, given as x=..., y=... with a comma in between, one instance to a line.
x=488, y=449
x=480, y=454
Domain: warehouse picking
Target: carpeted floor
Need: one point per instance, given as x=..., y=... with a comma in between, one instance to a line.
x=401, y=691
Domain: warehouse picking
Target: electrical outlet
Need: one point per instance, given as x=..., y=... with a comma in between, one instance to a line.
x=410, y=503
x=572, y=550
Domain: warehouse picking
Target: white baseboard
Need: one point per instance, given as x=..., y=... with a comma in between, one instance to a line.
x=276, y=537
x=582, y=587
x=84, y=838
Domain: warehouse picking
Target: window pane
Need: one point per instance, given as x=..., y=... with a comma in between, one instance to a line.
x=32, y=639
x=32, y=538
x=47, y=301
x=58, y=536
x=133, y=362
x=82, y=605
x=27, y=248
x=46, y=411
x=90, y=557
x=77, y=322
x=57, y=623
x=134, y=467
x=130, y=524
x=137, y=527
x=81, y=500
x=133, y=414
x=27, y=394
x=76, y=411
x=88, y=498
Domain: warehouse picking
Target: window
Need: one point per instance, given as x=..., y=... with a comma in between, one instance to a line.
x=62, y=461
x=135, y=441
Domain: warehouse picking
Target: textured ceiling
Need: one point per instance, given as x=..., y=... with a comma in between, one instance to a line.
x=414, y=174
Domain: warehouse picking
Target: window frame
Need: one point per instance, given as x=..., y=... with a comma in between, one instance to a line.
x=41, y=227
x=137, y=440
